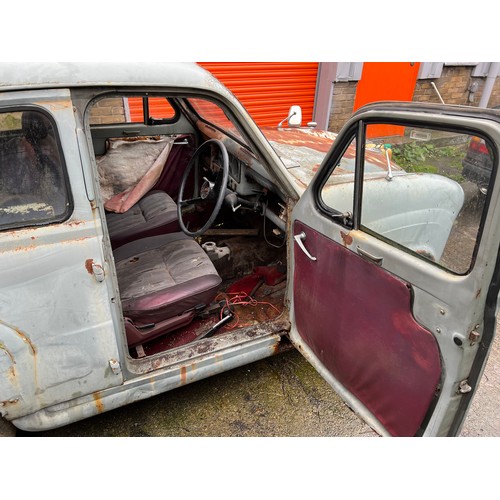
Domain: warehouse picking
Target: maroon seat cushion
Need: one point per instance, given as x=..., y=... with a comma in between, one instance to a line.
x=154, y=214
x=164, y=276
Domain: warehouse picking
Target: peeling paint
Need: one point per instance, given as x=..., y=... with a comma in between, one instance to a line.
x=75, y=223
x=28, y=208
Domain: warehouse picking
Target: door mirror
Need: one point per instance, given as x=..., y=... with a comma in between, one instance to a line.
x=294, y=117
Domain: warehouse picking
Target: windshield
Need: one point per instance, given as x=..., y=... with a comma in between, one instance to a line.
x=212, y=113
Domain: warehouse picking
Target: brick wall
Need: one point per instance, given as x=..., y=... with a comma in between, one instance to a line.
x=453, y=86
x=109, y=110
x=342, y=104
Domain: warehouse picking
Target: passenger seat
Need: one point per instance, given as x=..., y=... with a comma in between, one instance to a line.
x=154, y=214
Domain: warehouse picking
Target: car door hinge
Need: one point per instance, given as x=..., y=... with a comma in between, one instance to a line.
x=474, y=336
x=464, y=387
x=115, y=366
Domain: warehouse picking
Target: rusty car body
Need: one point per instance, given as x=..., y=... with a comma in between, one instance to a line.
x=141, y=254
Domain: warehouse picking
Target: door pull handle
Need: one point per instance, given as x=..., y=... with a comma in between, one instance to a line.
x=299, y=238
x=372, y=258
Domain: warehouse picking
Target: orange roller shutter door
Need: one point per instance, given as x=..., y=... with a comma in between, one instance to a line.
x=268, y=89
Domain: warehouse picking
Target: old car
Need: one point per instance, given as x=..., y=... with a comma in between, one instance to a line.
x=175, y=240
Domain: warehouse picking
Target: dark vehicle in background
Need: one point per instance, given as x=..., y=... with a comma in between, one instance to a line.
x=478, y=162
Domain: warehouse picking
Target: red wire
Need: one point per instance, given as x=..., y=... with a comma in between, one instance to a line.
x=241, y=299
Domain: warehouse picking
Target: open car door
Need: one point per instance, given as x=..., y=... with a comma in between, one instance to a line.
x=395, y=265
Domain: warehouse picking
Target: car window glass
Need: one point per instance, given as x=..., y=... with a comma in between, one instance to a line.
x=425, y=190
x=129, y=110
x=212, y=113
x=338, y=191
x=32, y=181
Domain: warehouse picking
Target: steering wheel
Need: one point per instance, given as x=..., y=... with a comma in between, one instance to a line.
x=210, y=190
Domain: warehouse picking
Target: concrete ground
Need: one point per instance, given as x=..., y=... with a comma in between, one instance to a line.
x=279, y=396
x=483, y=418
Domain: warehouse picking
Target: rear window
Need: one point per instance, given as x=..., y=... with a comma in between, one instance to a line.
x=119, y=109
x=33, y=187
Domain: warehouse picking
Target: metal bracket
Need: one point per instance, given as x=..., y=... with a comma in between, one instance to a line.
x=98, y=272
x=115, y=366
x=464, y=387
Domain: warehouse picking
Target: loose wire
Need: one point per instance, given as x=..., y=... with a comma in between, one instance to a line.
x=240, y=299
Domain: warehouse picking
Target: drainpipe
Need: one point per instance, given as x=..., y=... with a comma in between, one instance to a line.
x=488, y=85
x=324, y=93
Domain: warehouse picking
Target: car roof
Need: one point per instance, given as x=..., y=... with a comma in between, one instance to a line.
x=39, y=75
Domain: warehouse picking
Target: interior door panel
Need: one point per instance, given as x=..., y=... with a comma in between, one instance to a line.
x=364, y=332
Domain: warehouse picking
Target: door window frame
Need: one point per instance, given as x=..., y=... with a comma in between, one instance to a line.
x=357, y=131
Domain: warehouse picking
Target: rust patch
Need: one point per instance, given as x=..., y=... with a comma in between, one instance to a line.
x=318, y=140
x=8, y=354
x=346, y=238
x=12, y=370
x=276, y=347
x=426, y=254
x=98, y=402
x=75, y=223
x=141, y=138
x=56, y=105
x=157, y=363
x=10, y=402
x=183, y=375
x=88, y=266
x=23, y=336
x=26, y=248
x=478, y=293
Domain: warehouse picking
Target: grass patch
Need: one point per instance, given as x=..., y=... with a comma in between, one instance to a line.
x=422, y=169
x=426, y=158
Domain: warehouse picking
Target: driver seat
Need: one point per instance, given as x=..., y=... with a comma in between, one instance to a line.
x=163, y=280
